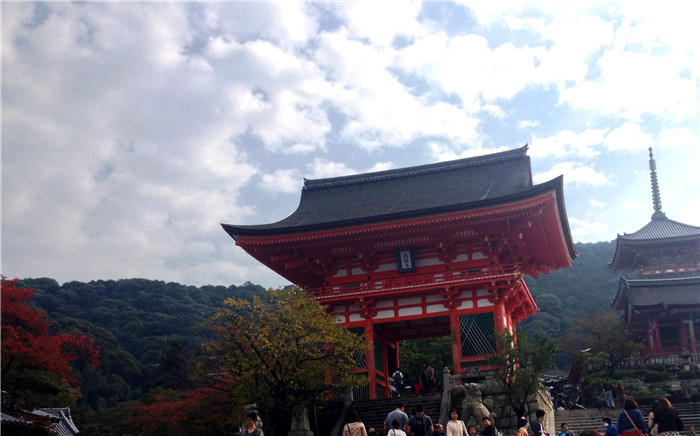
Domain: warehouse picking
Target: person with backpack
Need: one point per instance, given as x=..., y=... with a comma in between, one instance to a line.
x=420, y=424
x=398, y=381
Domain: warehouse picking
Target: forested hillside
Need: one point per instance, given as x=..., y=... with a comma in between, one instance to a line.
x=586, y=288
x=149, y=330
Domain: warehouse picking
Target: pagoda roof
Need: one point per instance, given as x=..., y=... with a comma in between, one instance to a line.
x=659, y=231
x=402, y=193
x=666, y=292
x=661, y=228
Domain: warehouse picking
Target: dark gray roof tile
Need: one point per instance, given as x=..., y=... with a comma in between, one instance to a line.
x=404, y=192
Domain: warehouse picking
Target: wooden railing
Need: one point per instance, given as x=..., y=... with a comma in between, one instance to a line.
x=675, y=359
x=414, y=281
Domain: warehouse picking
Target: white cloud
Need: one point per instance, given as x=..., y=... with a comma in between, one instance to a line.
x=587, y=231
x=381, y=22
x=595, y=203
x=380, y=166
x=628, y=137
x=642, y=71
x=528, y=123
x=633, y=205
x=573, y=172
x=441, y=152
x=568, y=143
x=380, y=111
x=323, y=168
x=678, y=138
x=284, y=180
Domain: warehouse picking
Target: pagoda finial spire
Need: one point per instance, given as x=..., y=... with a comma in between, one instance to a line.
x=656, y=196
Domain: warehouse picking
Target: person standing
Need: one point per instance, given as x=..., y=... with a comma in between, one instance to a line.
x=523, y=425
x=397, y=414
x=398, y=381
x=537, y=425
x=631, y=418
x=419, y=424
x=667, y=419
x=621, y=393
x=353, y=426
x=489, y=429
x=608, y=392
x=454, y=426
x=251, y=429
x=429, y=379
x=653, y=428
x=610, y=429
x=395, y=430
x=423, y=381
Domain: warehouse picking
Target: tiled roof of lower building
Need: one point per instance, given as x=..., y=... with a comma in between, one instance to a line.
x=676, y=292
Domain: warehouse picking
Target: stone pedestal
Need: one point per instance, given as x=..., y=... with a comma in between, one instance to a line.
x=300, y=422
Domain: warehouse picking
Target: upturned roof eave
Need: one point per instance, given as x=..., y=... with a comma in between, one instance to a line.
x=265, y=230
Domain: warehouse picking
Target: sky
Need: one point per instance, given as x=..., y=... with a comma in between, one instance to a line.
x=131, y=131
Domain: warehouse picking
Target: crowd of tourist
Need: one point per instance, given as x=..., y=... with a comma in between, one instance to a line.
x=663, y=420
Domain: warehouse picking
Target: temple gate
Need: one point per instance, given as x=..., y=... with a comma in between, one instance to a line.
x=426, y=251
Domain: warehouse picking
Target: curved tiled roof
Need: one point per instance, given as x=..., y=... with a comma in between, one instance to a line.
x=660, y=231
x=400, y=193
x=661, y=228
x=681, y=292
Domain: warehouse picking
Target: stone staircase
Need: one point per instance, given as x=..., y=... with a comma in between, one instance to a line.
x=592, y=419
x=373, y=412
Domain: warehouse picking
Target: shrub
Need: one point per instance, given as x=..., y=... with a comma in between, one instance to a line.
x=657, y=367
x=695, y=396
x=686, y=374
x=651, y=376
x=626, y=374
x=648, y=393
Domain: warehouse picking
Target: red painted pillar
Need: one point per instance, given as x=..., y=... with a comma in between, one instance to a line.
x=456, y=341
x=500, y=323
x=657, y=332
x=385, y=368
x=371, y=365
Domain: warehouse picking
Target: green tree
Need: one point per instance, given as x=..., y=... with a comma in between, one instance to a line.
x=519, y=364
x=280, y=349
x=607, y=338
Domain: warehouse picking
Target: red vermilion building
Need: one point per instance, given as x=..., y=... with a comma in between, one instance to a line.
x=426, y=251
x=660, y=298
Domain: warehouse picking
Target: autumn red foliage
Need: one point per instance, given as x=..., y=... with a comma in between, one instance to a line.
x=28, y=340
x=193, y=412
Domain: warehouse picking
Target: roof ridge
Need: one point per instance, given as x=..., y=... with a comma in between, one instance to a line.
x=415, y=170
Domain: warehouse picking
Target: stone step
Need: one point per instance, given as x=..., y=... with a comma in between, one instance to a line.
x=583, y=419
x=373, y=412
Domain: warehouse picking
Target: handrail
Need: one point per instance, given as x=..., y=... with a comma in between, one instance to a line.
x=413, y=281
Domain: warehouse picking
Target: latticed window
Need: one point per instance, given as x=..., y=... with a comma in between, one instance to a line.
x=477, y=334
x=360, y=358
